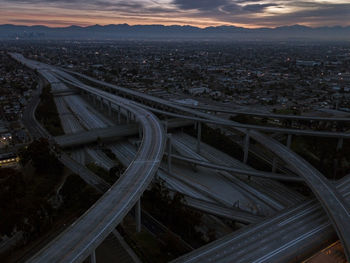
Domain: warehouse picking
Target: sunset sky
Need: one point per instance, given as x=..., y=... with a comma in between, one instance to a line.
x=202, y=13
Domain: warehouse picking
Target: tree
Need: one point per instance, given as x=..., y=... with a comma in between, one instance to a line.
x=12, y=188
x=43, y=160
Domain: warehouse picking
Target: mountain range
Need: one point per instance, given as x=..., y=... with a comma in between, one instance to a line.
x=161, y=32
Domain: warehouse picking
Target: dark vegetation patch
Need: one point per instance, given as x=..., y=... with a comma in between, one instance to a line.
x=47, y=114
x=38, y=199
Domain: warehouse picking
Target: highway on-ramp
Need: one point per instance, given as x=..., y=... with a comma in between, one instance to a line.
x=333, y=203
x=84, y=235
x=284, y=237
x=81, y=238
x=269, y=115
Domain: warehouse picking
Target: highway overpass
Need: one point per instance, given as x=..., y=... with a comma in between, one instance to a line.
x=268, y=115
x=288, y=236
x=109, y=134
x=79, y=240
x=334, y=204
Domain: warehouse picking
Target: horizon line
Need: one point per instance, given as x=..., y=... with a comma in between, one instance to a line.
x=185, y=25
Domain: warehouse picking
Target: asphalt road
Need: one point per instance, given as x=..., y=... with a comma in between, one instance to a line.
x=292, y=233
x=333, y=203
x=82, y=237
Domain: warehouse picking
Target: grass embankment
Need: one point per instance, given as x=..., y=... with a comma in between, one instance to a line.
x=322, y=153
x=148, y=248
x=113, y=174
x=217, y=139
x=173, y=213
x=47, y=114
x=29, y=201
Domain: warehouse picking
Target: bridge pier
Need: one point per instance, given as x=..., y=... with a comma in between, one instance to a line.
x=199, y=135
x=119, y=115
x=138, y=216
x=169, y=153
x=289, y=141
x=140, y=132
x=246, y=147
x=101, y=103
x=274, y=164
x=127, y=117
x=92, y=257
x=340, y=144
x=165, y=126
x=109, y=108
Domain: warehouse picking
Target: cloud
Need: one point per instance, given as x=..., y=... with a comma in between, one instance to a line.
x=100, y=5
x=202, y=4
x=195, y=12
x=256, y=8
x=221, y=8
x=270, y=13
x=43, y=22
x=316, y=14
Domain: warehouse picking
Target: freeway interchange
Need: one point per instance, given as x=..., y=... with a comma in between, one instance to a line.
x=79, y=240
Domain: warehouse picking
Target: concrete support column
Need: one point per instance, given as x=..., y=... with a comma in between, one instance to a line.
x=165, y=126
x=169, y=152
x=140, y=132
x=127, y=117
x=289, y=141
x=199, y=135
x=138, y=216
x=274, y=164
x=101, y=103
x=109, y=108
x=340, y=144
x=246, y=147
x=119, y=115
x=92, y=258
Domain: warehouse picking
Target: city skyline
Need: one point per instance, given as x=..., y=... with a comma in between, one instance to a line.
x=249, y=14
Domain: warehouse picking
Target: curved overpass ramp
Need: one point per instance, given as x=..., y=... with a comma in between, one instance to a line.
x=333, y=203
x=81, y=238
x=77, y=242
x=331, y=200
x=269, y=115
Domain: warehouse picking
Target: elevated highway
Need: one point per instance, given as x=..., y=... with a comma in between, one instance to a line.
x=219, y=121
x=89, y=177
x=109, y=133
x=333, y=203
x=79, y=240
x=225, y=212
x=268, y=175
x=180, y=111
x=196, y=196
x=288, y=236
x=269, y=115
